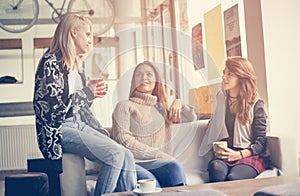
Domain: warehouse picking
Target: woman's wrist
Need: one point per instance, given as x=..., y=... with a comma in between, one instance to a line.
x=241, y=154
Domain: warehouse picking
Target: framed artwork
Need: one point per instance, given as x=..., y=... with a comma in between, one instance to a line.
x=197, y=47
x=215, y=44
x=232, y=32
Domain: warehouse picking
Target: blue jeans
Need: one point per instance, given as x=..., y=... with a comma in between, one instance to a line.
x=167, y=173
x=118, y=167
x=142, y=173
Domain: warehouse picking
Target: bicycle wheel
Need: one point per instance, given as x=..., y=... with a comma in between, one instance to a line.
x=17, y=16
x=101, y=13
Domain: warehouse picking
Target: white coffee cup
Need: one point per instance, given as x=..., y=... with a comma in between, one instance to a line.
x=146, y=185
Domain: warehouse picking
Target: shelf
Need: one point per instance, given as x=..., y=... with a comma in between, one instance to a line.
x=7, y=44
x=11, y=60
x=41, y=42
x=16, y=109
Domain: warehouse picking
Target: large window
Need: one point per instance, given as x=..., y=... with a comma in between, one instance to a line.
x=162, y=38
x=103, y=62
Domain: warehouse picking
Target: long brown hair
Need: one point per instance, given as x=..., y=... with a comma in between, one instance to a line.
x=63, y=41
x=247, y=85
x=158, y=90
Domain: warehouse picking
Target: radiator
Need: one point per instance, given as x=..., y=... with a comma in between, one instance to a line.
x=17, y=144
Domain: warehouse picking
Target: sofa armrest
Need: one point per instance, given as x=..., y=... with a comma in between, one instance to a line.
x=284, y=154
x=185, y=148
x=275, y=150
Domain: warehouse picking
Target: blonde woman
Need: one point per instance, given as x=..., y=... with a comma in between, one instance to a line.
x=244, y=121
x=62, y=100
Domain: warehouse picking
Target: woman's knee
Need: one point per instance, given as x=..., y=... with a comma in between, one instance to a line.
x=174, y=166
x=176, y=173
x=217, y=170
x=239, y=172
x=175, y=170
x=216, y=165
x=128, y=154
x=122, y=154
x=114, y=156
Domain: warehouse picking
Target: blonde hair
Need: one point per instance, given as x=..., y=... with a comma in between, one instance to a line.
x=158, y=90
x=63, y=41
x=248, y=92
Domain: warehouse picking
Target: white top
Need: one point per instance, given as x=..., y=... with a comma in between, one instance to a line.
x=75, y=82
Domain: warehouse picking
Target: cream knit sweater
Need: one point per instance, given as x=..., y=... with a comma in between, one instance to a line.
x=141, y=128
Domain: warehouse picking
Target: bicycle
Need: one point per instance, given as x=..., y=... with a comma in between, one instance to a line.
x=17, y=16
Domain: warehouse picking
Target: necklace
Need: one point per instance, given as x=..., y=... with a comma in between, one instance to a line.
x=233, y=105
x=231, y=102
x=232, y=97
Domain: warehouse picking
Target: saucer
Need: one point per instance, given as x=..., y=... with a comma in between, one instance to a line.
x=138, y=191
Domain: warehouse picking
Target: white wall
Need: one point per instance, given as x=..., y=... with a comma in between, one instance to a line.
x=281, y=37
x=196, y=11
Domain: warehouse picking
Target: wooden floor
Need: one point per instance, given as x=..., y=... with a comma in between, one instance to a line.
x=232, y=188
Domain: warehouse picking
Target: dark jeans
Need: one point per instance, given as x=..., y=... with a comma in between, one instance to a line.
x=167, y=173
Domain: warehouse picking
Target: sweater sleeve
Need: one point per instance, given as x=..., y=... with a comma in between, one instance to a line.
x=259, y=125
x=122, y=134
x=188, y=114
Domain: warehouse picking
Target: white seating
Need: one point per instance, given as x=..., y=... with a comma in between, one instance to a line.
x=185, y=148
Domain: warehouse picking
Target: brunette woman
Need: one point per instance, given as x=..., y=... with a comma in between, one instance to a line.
x=143, y=125
x=242, y=121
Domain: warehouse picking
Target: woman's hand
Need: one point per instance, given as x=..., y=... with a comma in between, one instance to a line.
x=228, y=154
x=174, y=114
x=98, y=87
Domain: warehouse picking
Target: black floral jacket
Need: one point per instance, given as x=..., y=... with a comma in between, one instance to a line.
x=52, y=104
